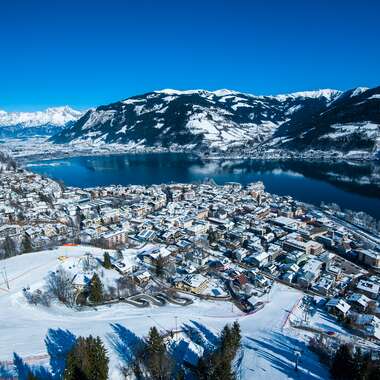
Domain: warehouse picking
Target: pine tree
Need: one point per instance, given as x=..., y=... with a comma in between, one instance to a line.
x=226, y=341
x=31, y=376
x=221, y=368
x=374, y=373
x=87, y=360
x=99, y=369
x=218, y=364
x=26, y=244
x=160, y=263
x=107, y=260
x=343, y=366
x=203, y=369
x=96, y=289
x=157, y=360
x=236, y=335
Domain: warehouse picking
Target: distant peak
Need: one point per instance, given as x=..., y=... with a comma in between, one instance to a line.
x=221, y=92
x=170, y=91
x=358, y=91
x=54, y=115
x=327, y=93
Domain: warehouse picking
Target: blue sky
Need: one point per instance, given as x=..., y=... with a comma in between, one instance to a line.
x=91, y=52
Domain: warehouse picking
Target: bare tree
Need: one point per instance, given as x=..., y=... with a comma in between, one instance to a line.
x=37, y=297
x=126, y=286
x=59, y=285
x=9, y=247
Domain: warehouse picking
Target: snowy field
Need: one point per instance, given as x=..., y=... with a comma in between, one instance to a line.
x=270, y=345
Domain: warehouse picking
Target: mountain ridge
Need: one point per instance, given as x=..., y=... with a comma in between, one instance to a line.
x=227, y=120
x=18, y=124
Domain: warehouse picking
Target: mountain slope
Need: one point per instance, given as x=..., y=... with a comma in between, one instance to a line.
x=350, y=122
x=18, y=124
x=224, y=119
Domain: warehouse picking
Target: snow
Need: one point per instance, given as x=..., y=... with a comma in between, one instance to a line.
x=58, y=116
x=158, y=125
x=329, y=94
x=370, y=130
x=123, y=129
x=375, y=96
x=133, y=101
x=221, y=92
x=268, y=345
x=224, y=92
x=358, y=91
x=138, y=109
x=98, y=117
x=169, y=91
x=293, y=109
x=240, y=104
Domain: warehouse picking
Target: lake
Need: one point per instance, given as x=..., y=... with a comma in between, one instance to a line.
x=352, y=185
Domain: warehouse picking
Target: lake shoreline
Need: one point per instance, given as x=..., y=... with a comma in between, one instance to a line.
x=354, y=185
x=43, y=157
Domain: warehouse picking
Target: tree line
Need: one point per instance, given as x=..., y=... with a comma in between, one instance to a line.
x=86, y=358
x=354, y=365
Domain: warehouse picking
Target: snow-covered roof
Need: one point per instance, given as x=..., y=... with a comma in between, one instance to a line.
x=339, y=304
x=194, y=280
x=369, y=287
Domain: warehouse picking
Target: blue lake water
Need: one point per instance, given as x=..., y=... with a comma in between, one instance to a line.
x=351, y=185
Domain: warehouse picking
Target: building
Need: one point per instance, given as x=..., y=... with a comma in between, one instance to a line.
x=151, y=254
x=309, y=247
x=115, y=238
x=195, y=283
x=338, y=307
x=359, y=302
x=370, y=258
x=368, y=288
x=310, y=273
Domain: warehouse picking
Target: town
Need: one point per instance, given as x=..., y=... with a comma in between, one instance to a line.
x=215, y=242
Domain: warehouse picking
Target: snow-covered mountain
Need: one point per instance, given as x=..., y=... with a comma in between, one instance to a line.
x=37, y=123
x=224, y=119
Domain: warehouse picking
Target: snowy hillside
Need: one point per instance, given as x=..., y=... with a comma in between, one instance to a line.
x=225, y=119
x=351, y=122
x=39, y=122
x=194, y=118
x=267, y=335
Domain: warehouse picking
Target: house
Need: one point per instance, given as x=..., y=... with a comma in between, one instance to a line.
x=195, y=283
x=126, y=265
x=359, y=302
x=325, y=284
x=151, y=254
x=260, y=258
x=142, y=277
x=146, y=235
x=338, y=307
x=309, y=273
x=370, y=324
x=115, y=238
x=199, y=257
x=240, y=280
x=368, y=288
x=370, y=258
